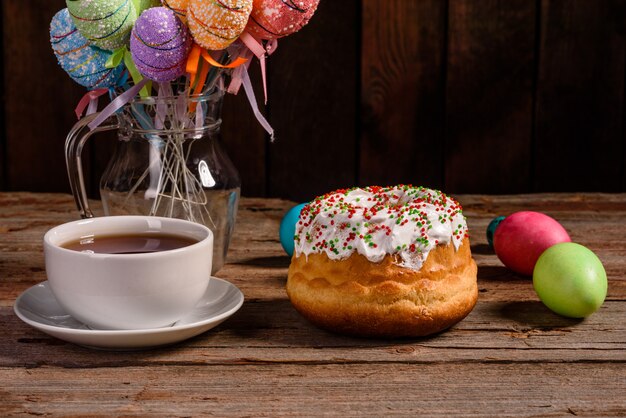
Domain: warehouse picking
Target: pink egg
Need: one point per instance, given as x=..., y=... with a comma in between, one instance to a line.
x=521, y=238
x=272, y=19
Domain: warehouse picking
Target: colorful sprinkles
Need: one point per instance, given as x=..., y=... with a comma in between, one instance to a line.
x=376, y=221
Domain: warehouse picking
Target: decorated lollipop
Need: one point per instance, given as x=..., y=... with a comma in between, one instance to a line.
x=177, y=6
x=160, y=44
x=272, y=19
x=83, y=62
x=215, y=24
x=105, y=23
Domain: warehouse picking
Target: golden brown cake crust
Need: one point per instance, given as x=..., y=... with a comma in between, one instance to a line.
x=355, y=296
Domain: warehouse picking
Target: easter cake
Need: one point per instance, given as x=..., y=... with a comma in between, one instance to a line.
x=383, y=261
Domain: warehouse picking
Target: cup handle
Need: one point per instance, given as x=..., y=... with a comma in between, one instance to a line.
x=74, y=144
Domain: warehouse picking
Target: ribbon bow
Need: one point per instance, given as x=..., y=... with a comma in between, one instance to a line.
x=196, y=63
x=123, y=54
x=257, y=49
x=89, y=102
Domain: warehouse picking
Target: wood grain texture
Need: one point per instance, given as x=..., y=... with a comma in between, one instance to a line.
x=580, y=96
x=489, y=96
x=244, y=139
x=312, y=390
x=3, y=144
x=313, y=94
x=510, y=356
x=39, y=98
x=469, y=96
x=402, y=92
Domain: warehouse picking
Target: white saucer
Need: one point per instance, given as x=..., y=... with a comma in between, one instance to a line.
x=39, y=309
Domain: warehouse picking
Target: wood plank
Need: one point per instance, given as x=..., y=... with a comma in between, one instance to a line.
x=346, y=389
x=38, y=106
x=580, y=96
x=495, y=332
x=3, y=144
x=489, y=96
x=402, y=92
x=313, y=97
x=509, y=323
x=244, y=139
x=257, y=263
x=510, y=354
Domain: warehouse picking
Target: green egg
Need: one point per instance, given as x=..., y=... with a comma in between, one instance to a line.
x=105, y=23
x=570, y=280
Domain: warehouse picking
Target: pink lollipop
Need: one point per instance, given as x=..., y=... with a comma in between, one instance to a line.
x=160, y=44
x=272, y=19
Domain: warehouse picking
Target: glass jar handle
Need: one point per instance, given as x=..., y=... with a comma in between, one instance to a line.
x=74, y=144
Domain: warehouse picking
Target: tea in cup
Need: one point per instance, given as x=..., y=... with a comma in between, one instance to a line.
x=128, y=272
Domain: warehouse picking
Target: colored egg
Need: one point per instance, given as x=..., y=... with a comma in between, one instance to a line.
x=160, y=44
x=177, y=6
x=272, y=19
x=105, y=23
x=491, y=229
x=520, y=239
x=570, y=280
x=288, y=228
x=84, y=63
x=216, y=24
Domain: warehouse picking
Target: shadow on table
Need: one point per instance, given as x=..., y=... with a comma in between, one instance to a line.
x=271, y=262
x=277, y=322
x=535, y=314
x=499, y=273
x=482, y=249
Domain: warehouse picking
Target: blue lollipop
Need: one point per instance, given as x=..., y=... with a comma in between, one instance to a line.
x=86, y=64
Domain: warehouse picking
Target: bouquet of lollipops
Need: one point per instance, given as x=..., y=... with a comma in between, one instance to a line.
x=130, y=47
x=164, y=65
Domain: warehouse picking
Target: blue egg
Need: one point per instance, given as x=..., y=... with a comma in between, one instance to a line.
x=491, y=229
x=86, y=64
x=288, y=228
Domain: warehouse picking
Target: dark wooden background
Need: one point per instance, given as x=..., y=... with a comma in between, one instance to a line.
x=470, y=96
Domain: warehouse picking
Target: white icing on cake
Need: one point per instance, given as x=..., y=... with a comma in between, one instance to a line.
x=376, y=221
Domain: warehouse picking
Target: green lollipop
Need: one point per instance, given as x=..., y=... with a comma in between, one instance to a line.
x=105, y=23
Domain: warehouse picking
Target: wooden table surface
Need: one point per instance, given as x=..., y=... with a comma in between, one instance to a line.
x=510, y=356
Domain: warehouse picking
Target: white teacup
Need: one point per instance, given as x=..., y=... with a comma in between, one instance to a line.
x=128, y=291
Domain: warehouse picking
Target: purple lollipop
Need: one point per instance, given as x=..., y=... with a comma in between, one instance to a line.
x=160, y=44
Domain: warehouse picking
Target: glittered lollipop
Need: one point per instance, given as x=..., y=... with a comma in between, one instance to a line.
x=105, y=23
x=177, y=6
x=215, y=24
x=272, y=19
x=83, y=62
x=160, y=44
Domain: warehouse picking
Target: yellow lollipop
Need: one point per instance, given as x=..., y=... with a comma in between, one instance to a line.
x=215, y=24
x=177, y=6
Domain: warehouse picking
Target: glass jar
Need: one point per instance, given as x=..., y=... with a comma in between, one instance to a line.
x=168, y=162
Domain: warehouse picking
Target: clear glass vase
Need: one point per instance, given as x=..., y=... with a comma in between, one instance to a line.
x=168, y=162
